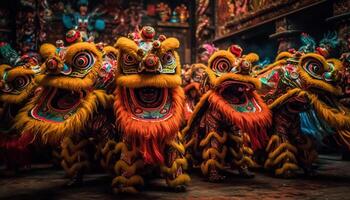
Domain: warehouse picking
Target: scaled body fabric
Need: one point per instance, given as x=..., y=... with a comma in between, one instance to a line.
x=68, y=110
x=149, y=109
x=300, y=89
x=230, y=120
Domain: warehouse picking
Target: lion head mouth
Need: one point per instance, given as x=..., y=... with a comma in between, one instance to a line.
x=62, y=99
x=149, y=97
x=148, y=103
x=235, y=92
x=56, y=104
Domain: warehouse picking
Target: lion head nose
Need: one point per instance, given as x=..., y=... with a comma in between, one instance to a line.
x=52, y=64
x=151, y=63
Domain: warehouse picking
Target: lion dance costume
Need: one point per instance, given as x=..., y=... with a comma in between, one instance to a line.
x=193, y=88
x=230, y=120
x=17, y=86
x=300, y=89
x=68, y=109
x=149, y=108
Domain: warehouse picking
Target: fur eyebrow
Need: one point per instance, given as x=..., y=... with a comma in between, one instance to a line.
x=169, y=44
x=127, y=46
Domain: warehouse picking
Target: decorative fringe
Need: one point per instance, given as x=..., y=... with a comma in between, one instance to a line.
x=338, y=119
x=69, y=83
x=151, y=136
x=335, y=90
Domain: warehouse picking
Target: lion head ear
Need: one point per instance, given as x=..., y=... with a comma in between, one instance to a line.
x=47, y=50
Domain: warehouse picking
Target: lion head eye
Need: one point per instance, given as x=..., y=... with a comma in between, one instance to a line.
x=83, y=60
x=21, y=82
x=168, y=58
x=129, y=60
x=130, y=64
x=314, y=68
x=221, y=65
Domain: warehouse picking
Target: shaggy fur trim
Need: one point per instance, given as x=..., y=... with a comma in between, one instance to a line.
x=150, y=80
x=281, y=99
x=70, y=83
x=47, y=50
x=110, y=49
x=238, y=77
x=150, y=137
x=222, y=53
x=3, y=68
x=81, y=46
x=169, y=44
x=53, y=133
x=255, y=123
x=319, y=84
x=283, y=56
x=196, y=66
x=18, y=98
x=337, y=118
x=251, y=57
x=196, y=113
x=144, y=80
x=18, y=71
x=193, y=85
x=125, y=45
x=338, y=65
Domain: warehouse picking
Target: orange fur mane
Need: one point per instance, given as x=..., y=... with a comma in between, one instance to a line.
x=150, y=137
x=255, y=123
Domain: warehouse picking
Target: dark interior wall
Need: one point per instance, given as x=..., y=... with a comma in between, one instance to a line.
x=311, y=20
x=256, y=40
x=8, y=10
